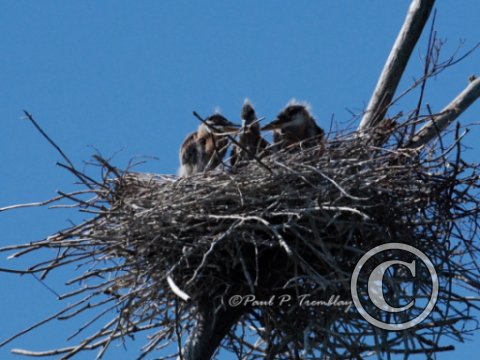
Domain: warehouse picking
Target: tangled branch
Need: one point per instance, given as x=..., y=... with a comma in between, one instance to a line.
x=298, y=230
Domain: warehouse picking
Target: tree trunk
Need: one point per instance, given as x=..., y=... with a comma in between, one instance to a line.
x=213, y=324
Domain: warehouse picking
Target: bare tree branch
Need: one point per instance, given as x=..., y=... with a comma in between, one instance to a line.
x=397, y=62
x=453, y=110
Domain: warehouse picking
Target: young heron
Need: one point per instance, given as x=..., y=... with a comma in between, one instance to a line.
x=295, y=125
x=250, y=138
x=205, y=148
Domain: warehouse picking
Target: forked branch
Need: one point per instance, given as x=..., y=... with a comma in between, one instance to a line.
x=397, y=62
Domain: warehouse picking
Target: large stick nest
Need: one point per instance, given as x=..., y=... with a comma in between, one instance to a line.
x=297, y=229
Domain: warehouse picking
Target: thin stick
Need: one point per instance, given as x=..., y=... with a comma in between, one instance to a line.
x=34, y=204
x=428, y=59
x=449, y=114
x=397, y=61
x=82, y=177
x=49, y=139
x=40, y=323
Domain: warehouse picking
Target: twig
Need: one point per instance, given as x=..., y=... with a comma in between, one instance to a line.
x=44, y=134
x=34, y=204
x=449, y=114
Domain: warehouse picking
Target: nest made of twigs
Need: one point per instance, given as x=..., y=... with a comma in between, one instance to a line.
x=295, y=224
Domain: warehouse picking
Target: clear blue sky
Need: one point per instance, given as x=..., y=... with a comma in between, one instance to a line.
x=125, y=75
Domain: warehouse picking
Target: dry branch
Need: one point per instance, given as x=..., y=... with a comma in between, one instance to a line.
x=450, y=113
x=397, y=61
x=297, y=230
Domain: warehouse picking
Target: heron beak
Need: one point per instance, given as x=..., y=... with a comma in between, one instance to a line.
x=275, y=124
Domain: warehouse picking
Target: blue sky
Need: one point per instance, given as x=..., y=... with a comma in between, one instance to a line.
x=125, y=76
